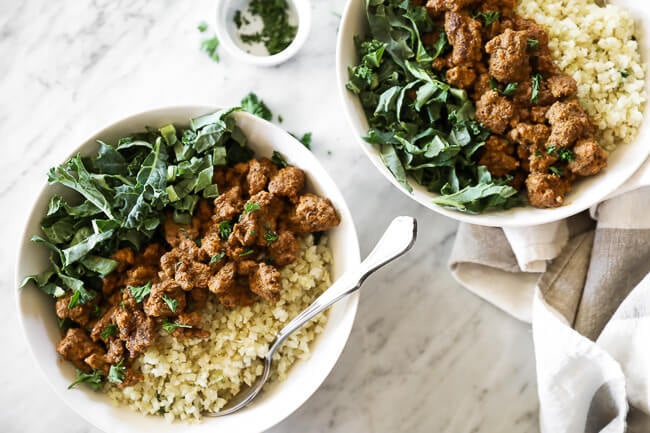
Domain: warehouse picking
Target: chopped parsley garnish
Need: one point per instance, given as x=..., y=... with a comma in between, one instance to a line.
x=217, y=257
x=509, y=90
x=539, y=154
x=225, y=229
x=248, y=252
x=96, y=313
x=487, y=17
x=171, y=303
x=556, y=170
x=278, y=159
x=172, y=326
x=276, y=33
x=251, y=103
x=625, y=73
x=80, y=297
x=109, y=331
x=532, y=43
x=202, y=27
x=534, y=95
x=251, y=206
x=270, y=236
x=552, y=148
x=117, y=372
x=240, y=19
x=566, y=155
x=139, y=292
x=94, y=379
x=209, y=46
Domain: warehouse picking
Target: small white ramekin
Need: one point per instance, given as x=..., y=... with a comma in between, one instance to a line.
x=226, y=32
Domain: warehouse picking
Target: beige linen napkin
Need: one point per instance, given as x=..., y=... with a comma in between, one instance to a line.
x=583, y=285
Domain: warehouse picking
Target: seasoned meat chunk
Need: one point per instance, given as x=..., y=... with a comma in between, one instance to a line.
x=196, y=299
x=80, y=313
x=588, y=158
x=140, y=275
x=436, y=8
x=136, y=329
x=540, y=160
x=162, y=295
x=191, y=274
x=495, y=112
x=259, y=174
x=313, y=214
x=284, y=250
x=562, y=85
x=464, y=35
x=228, y=204
x=211, y=242
x=115, y=352
x=175, y=233
x=76, y=346
x=224, y=280
x=568, y=123
x=529, y=134
x=238, y=295
x=265, y=282
x=265, y=208
x=461, y=76
x=541, y=54
x=509, y=61
x=538, y=113
x=288, y=182
x=125, y=256
x=481, y=84
x=498, y=157
x=546, y=190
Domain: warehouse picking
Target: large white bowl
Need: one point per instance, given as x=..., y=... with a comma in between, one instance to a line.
x=622, y=163
x=36, y=310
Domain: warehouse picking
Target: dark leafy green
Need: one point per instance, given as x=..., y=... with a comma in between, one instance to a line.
x=122, y=195
x=254, y=105
x=423, y=128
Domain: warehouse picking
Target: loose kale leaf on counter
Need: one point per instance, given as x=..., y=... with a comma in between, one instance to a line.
x=123, y=194
x=423, y=128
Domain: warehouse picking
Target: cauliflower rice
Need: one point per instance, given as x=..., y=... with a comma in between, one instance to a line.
x=184, y=377
x=597, y=47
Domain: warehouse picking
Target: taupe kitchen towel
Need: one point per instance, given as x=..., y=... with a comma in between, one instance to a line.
x=583, y=285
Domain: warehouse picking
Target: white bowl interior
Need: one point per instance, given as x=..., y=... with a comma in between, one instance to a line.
x=280, y=399
x=622, y=163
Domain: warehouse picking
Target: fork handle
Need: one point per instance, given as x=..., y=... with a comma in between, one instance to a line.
x=398, y=238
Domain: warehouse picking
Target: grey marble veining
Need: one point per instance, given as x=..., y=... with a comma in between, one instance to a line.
x=424, y=355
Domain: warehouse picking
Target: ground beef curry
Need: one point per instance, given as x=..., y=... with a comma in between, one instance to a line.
x=540, y=136
x=232, y=249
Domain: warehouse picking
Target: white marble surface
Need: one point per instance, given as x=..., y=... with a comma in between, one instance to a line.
x=424, y=355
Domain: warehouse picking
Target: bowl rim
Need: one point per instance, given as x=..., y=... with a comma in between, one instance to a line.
x=343, y=326
x=303, y=12
x=523, y=216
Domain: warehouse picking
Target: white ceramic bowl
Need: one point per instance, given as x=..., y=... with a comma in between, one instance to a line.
x=36, y=310
x=622, y=163
x=226, y=31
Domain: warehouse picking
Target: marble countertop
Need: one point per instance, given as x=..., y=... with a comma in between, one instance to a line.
x=424, y=354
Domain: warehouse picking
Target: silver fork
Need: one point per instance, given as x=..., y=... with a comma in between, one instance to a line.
x=398, y=238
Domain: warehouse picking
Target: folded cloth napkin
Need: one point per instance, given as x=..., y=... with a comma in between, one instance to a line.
x=583, y=283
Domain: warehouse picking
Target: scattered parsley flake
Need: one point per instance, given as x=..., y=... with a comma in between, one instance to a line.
x=139, y=292
x=171, y=303
x=551, y=149
x=109, y=331
x=248, y=252
x=202, y=27
x=217, y=257
x=209, y=46
x=251, y=103
x=556, y=170
x=225, y=229
x=251, y=206
x=270, y=236
x=172, y=326
x=117, y=372
x=278, y=159
x=532, y=43
x=509, y=90
x=94, y=379
x=566, y=155
x=487, y=17
x=534, y=95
